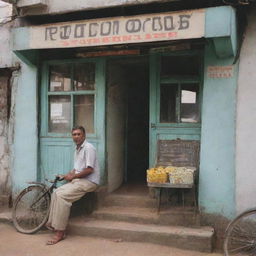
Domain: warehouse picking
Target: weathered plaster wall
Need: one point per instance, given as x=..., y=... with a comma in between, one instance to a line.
x=6, y=54
x=5, y=32
x=5, y=101
x=115, y=126
x=246, y=121
x=217, y=166
x=60, y=6
x=4, y=146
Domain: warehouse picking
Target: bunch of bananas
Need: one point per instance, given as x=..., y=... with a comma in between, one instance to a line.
x=157, y=175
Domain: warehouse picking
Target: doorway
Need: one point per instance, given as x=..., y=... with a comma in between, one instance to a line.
x=127, y=120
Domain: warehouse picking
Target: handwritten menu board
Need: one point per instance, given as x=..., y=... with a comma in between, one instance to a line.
x=178, y=153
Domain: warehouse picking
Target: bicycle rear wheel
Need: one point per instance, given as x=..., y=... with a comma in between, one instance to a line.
x=240, y=236
x=31, y=209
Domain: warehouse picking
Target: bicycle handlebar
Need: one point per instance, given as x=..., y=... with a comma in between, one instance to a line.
x=58, y=177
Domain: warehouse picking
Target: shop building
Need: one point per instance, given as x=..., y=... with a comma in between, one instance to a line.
x=136, y=76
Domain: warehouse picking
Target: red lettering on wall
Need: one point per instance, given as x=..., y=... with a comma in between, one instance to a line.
x=116, y=39
x=64, y=43
x=172, y=34
x=105, y=40
x=148, y=36
x=96, y=40
x=137, y=37
x=126, y=38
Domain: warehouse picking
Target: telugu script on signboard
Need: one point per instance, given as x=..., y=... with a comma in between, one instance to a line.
x=120, y=30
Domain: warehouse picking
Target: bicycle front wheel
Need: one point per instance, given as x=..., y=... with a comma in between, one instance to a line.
x=31, y=209
x=240, y=236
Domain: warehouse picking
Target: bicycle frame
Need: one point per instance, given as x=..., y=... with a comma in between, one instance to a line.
x=35, y=207
x=45, y=188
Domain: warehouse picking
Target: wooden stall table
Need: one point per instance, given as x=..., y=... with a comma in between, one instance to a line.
x=180, y=153
x=160, y=186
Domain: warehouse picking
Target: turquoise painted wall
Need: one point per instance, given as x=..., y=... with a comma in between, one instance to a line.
x=217, y=166
x=25, y=128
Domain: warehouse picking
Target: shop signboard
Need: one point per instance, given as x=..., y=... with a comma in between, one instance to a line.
x=220, y=71
x=119, y=30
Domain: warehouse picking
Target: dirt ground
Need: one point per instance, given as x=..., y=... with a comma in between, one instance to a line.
x=13, y=243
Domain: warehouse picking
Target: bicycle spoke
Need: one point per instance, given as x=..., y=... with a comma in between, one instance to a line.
x=31, y=209
x=240, y=248
x=241, y=236
x=238, y=239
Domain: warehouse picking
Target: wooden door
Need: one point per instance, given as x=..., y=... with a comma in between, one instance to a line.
x=175, y=99
x=72, y=93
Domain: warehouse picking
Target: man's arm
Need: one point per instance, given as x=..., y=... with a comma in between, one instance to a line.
x=69, y=175
x=72, y=175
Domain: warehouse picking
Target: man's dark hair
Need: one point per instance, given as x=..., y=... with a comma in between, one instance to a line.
x=78, y=128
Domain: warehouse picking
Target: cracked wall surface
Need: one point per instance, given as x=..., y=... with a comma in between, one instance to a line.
x=5, y=188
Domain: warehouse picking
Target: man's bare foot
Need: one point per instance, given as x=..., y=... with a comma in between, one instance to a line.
x=59, y=235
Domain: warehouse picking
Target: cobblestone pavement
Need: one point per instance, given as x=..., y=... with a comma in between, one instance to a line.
x=13, y=243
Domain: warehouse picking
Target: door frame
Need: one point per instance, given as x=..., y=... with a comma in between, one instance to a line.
x=170, y=131
x=64, y=139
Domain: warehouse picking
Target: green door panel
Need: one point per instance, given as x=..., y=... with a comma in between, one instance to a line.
x=86, y=104
x=56, y=157
x=177, y=130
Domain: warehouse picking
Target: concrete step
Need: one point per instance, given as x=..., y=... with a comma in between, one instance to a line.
x=197, y=239
x=176, y=216
x=128, y=201
x=5, y=215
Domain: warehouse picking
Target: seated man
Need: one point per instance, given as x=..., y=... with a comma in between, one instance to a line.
x=82, y=179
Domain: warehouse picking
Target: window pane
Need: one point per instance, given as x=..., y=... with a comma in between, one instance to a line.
x=189, y=103
x=168, y=103
x=84, y=111
x=59, y=114
x=60, y=78
x=180, y=65
x=84, y=76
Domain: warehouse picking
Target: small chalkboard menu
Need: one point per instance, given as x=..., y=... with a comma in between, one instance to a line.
x=178, y=153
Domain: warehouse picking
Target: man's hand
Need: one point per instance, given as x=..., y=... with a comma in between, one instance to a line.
x=70, y=176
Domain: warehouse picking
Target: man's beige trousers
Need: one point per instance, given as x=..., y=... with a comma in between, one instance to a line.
x=62, y=199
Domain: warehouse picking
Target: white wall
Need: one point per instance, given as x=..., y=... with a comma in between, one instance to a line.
x=115, y=126
x=60, y=6
x=246, y=121
x=5, y=32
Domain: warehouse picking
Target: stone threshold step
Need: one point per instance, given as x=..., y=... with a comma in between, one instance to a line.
x=6, y=215
x=146, y=215
x=128, y=201
x=198, y=239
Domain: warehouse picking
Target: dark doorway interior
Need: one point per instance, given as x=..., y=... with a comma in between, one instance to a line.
x=128, y=120
x=137, y=130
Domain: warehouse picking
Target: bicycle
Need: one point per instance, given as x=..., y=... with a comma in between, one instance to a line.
x=31, y=208
x=240, y=235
